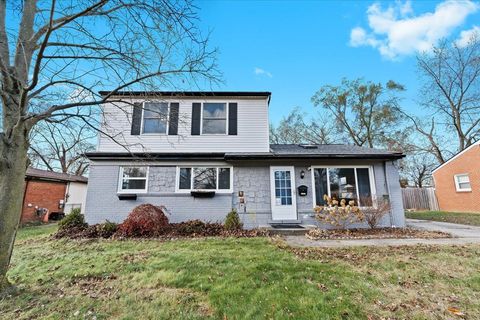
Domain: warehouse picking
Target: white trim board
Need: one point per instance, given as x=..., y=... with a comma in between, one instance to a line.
x=456, y=156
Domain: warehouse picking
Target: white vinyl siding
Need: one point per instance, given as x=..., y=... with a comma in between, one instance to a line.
x=253, y=134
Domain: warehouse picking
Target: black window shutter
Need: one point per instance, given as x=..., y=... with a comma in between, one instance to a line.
x=232, y=118
x=196, y=112
x=136, y=119
x=173, y=119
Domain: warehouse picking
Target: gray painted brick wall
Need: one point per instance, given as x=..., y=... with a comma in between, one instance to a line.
x=103, y=203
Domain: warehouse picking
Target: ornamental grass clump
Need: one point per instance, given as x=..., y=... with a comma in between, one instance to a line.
x=339, y=214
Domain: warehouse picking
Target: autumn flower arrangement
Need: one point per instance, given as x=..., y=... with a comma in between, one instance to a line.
x=339, y=214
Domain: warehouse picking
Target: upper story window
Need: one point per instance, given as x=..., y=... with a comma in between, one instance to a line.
x=214, y=118
x=204, y=178
x=462, y=182
x=133, y=179
x=155, y=117
x=349, y=183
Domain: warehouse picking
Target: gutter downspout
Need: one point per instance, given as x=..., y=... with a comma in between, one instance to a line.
x=387, y=187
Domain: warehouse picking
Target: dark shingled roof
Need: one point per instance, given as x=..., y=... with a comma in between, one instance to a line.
x=190, y=93
x=33, y=173
x=328, y=149
x=277, y=151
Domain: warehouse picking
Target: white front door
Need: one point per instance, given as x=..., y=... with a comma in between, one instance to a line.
x=282, y=186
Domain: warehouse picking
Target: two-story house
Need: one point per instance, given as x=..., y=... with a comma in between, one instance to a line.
x=200, y=154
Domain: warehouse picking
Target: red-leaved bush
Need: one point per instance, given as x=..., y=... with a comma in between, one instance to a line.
x=144, y=220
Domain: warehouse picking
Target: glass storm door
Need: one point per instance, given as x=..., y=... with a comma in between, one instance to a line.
x=282, y=182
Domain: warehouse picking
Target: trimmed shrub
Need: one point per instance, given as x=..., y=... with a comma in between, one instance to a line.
x=232, y=222
x=106, y=230
x=73, y=220
x=144, y=220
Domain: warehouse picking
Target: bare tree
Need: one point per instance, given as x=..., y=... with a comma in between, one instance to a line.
x=295, y=129
x=60, y=146
x=366, y=114
x=56, y=55
x=451, y=91
x=417, y=169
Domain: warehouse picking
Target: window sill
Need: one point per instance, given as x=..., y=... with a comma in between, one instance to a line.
x=463, y=191
x=131, y=191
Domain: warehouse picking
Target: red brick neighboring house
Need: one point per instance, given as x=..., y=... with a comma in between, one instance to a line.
x=47, y=191
x=457, y=181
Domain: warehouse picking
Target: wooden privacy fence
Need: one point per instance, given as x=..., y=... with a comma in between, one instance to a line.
x=419, y=199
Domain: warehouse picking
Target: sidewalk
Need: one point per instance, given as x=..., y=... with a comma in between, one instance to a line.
x=462, y=234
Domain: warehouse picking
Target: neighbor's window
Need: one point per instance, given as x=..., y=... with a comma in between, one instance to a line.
x=343, y=183
x=462, y=182
x=133, y=179
x=155, y=116
x=204, y=178
x=214, y=118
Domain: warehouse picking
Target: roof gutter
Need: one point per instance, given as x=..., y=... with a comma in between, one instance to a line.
x=105, y=156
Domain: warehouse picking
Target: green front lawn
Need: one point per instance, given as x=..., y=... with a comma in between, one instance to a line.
x=233, y=278
x=442, y=216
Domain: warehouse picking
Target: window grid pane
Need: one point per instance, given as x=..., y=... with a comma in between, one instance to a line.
x=205, y=178
x=134, y=172
x=224, y=178
x=131, y=184
x=214, y=118
x=283, y=190
x=185, y=178
x=155, y=116
x=342, y=184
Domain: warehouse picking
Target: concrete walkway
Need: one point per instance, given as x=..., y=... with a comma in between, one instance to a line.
x=462, y=234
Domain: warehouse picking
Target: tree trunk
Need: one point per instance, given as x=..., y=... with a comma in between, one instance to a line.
x=13, y=165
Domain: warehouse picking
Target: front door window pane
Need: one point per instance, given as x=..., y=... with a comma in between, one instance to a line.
x=283, y=189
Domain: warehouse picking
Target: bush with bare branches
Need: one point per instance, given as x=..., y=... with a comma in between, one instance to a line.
x=374, y=214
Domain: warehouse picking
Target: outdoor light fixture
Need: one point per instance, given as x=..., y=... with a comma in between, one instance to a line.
x=302, y=174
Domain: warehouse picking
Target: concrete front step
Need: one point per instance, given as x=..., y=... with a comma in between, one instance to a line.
x=287, y=231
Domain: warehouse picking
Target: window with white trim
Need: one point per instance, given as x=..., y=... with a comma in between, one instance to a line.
x=349, y=183
x=462, y=182
x=204, y=178
x=133, y=179
x=155, y=117
x=214, y=118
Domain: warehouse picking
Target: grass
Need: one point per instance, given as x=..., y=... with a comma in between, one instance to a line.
x=443, y=216
x=233, y=278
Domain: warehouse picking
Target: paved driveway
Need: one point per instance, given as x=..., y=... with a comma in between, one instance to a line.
x=456, y=230
x=462, y=234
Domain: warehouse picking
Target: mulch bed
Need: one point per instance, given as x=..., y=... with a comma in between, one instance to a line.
x=380, y=233
x=189, y=229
